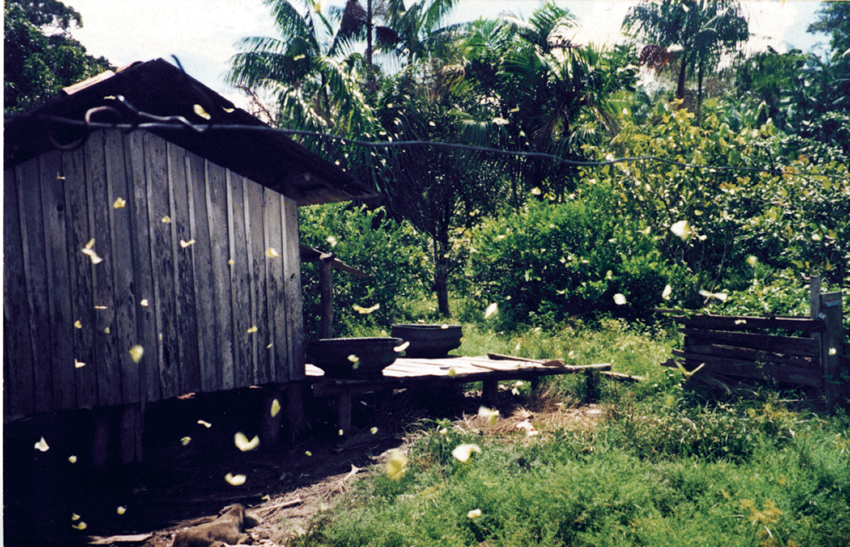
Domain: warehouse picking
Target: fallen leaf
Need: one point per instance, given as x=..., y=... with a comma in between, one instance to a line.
x=308, y=453
x=668, y=290
x=205, y=424
x=474, y=514
x=491, y=310
x=682, y=230
x=253, y=329
x=81, y=526
x=78, y=364
x=401, y=347
x=119, y=204
x=185, y=440
x=144, y=302
x=452, y=372
x=271, y=252
x=619, y=299
x=185, y=244
x=121, y=510
x=491, y=415
x=374, y=430
x=166, y=219
x=72, y=459
x=275, y=408
x=78, y=324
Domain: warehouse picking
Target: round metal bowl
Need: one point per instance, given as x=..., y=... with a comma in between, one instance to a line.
x=352, y=357
x=429, y=341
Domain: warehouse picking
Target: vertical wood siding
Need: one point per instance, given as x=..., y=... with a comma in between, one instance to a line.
x=188, y=291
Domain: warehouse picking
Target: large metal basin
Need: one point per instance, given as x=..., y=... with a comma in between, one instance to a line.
x=352, y=357
x=429, y=341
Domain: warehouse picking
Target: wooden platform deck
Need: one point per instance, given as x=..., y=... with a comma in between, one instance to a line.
x=409, y=373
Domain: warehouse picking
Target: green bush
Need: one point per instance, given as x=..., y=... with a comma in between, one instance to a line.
x=551, y=261
x=391, y=252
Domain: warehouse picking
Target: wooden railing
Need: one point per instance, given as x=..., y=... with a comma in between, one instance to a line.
x=797, y=351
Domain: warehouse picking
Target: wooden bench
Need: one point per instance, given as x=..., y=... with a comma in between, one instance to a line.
x=412, y=373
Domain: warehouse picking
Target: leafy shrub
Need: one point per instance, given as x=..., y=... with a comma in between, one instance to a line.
x=390, y=252
x=552, y=261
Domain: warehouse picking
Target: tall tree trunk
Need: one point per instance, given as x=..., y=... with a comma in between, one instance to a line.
x=699, y=95
x=683, y=71
x=441, y=274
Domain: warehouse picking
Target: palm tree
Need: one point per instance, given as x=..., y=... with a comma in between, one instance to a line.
x=549, y=86
x=700, y=31
x=313, y=81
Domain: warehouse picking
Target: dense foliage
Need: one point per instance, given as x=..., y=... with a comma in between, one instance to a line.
x=40, y=56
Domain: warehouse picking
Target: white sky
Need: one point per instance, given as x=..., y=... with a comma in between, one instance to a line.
x=203, y=33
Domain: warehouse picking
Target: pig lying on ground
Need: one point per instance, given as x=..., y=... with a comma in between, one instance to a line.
x=227, y=529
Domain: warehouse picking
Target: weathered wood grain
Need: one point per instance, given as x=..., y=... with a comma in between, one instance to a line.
x=184, y=287
x=240, y=297
x=749, y=354
x=217, y=211
x=105, y=345
x=292, y=290
x=746, y=323
x=82, y=287
x=275, y=284
x=257, y=259
x=150, y=387
x=779, y=344
x=162, y=263
x=35, y=271
x=204, y=281
x=125, y=328
x=17, y=337
x=748, y=369
x=52, y=183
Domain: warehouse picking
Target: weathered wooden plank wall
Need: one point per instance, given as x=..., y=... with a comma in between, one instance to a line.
x=187, y=272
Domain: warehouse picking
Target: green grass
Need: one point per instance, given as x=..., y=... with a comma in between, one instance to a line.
x=664, y=465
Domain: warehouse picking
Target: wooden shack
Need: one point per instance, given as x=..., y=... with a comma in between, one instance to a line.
x=179, y=242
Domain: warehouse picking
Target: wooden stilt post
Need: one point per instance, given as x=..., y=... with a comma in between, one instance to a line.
x=270, y=425
x=100, y=441
x=343, y=413
x=295, y=420
x=490, y=392
x=326, y=296
x=131, y=434
x=831, y=351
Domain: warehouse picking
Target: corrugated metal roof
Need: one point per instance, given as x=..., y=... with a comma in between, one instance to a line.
x=157, y=87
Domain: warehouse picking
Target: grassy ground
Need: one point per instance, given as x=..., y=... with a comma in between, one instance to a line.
x=654, y=463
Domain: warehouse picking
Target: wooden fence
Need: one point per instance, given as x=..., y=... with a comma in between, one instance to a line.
x=187, y=273
x=797, y=351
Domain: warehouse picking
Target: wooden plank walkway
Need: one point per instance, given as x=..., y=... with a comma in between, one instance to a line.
x=409, y=373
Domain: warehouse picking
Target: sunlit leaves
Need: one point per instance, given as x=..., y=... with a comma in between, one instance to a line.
x=396, y=464
x=491, y=310
x=463, y=452
x=235, y=480
x=619, y=299
x=243, y=444
x=667, y=292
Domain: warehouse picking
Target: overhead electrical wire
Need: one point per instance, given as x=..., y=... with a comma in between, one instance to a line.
x=181, y=123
